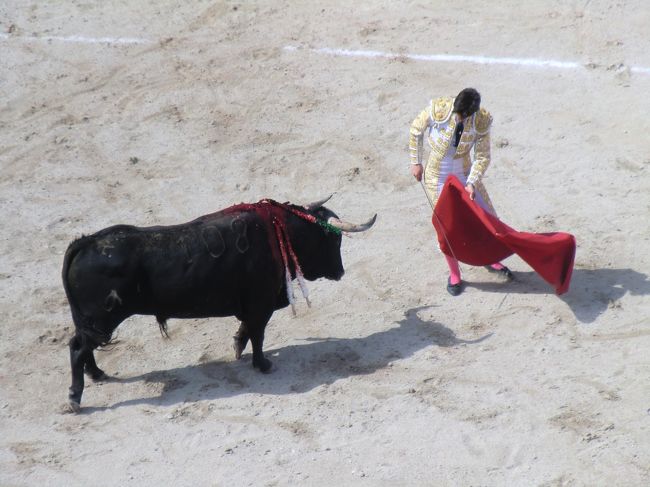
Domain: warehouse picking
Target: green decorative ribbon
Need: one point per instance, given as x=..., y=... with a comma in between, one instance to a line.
x=328, y=227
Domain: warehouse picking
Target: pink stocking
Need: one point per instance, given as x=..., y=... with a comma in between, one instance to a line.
x=454, y=270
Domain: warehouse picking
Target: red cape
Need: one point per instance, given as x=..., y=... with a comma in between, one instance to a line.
x=479, y=238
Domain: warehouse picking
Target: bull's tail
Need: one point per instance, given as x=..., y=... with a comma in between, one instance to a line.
x=83, y=324
x=162, y=325
x=70, y=253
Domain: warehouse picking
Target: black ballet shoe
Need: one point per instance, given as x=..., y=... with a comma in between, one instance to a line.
x=454, y=289
x=504, y=272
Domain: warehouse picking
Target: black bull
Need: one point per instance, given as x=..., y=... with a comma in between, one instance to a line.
x=229, y=263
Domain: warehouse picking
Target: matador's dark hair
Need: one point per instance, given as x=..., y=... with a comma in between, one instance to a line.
x=467, y=102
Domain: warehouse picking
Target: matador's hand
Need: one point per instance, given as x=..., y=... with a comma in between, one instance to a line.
x=470, y=189
x=416, y=170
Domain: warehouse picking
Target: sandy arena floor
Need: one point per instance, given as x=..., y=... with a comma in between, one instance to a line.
x=155, y=112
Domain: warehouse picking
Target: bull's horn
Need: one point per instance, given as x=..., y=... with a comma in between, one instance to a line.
x=317, y=204
x=351, y=227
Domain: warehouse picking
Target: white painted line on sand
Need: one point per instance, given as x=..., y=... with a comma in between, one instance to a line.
x=77, y=39
x=528, y=62
x=541, y=63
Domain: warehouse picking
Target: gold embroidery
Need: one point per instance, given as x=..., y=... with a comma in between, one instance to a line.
x=482, y=121
x=476, y=136
x=481, y=158
x=463, y=148
x=416, y=134
x=441, y=108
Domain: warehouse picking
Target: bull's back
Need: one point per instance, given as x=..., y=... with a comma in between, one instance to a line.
x=198, y=269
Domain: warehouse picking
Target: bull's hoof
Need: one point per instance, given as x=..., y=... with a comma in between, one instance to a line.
x=238, y=347
x=263, y=364
x=73, y=407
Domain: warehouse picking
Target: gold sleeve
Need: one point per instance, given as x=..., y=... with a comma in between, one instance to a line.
x=481, y=158
x=483, y=121
x=416, y=137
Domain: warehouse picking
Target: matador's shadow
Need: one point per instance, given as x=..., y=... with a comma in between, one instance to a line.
x=591, y=291
x=296, y=368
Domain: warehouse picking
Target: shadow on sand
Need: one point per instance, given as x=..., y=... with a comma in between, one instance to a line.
x=296, y=368
x=591, y=291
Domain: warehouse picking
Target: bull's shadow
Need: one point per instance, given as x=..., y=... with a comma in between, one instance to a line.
x=296, y=368
x=591, y=291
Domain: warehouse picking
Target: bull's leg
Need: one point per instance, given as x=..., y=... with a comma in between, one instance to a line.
x=256, y=333
x=92, y=371
x=77, y=360
x=240, y=340
x=81, y=354
x=257, y=313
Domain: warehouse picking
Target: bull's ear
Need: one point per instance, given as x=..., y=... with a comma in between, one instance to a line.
x=317, y=204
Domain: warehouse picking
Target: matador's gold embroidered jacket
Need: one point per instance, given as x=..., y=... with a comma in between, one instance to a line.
x=437, y=122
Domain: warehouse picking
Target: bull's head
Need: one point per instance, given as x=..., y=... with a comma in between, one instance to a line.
x=340, y=224
x=322, y=256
